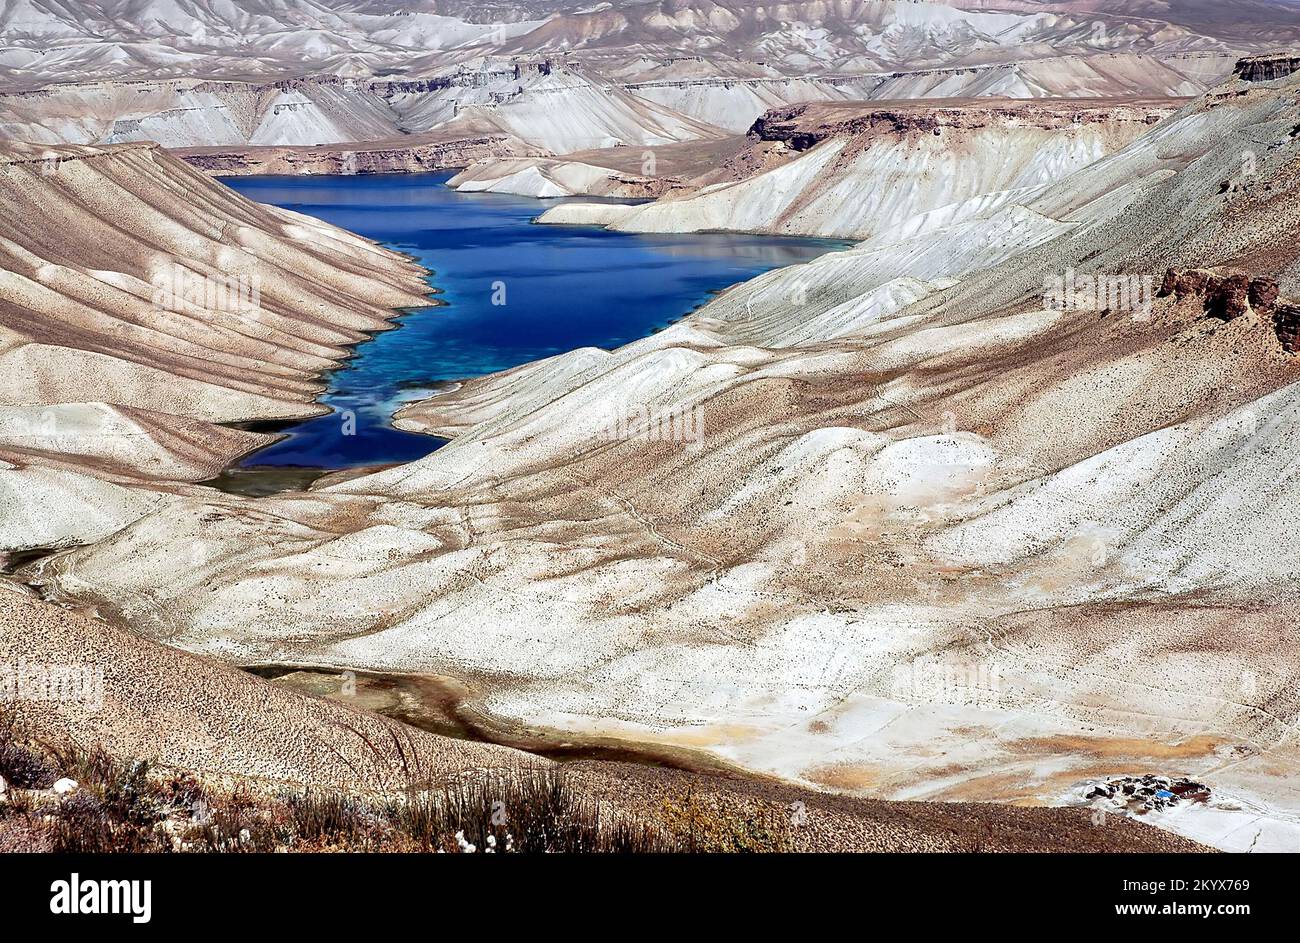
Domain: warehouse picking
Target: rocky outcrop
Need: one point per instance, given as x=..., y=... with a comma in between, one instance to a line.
x=1267, y=68
x=856, y=170
x=1226, y=296
x=801, y=127
x=1286, y=319
x=806, y=125
x=416, y=154
x=1230, y=295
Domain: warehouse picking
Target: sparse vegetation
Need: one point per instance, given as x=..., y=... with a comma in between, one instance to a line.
x=534, y=811
x=20, y=765
x=24, y=768
x=710, y=825
x=130, y=807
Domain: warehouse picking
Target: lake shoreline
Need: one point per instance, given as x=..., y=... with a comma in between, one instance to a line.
x=651, y=282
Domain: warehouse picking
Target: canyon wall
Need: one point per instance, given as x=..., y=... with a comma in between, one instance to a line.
x=143, y=306
x=862, y=171
x=966, y=512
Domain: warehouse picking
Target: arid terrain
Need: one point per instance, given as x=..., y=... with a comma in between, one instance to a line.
x=978, y=518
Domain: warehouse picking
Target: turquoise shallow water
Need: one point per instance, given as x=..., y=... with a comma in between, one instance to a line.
x=563, y=287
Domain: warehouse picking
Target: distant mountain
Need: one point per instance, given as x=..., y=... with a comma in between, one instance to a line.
x=848, y=35
x=80, y=39
x=1245, y=21
x=44, y=41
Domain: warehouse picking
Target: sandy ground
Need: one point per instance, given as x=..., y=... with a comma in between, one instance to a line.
x=157, y=703
x=148, y=701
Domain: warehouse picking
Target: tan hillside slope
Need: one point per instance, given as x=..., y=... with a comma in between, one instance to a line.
x=856, y=170
x=170, y=292
x=547, y=106
x=911, y=520
x=734, y=101
x=144, y=701
x=148, y=701
x=140, y=304
x=189, y=112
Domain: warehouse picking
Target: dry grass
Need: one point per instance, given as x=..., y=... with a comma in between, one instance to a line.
x=711, y=825
x=128, y=807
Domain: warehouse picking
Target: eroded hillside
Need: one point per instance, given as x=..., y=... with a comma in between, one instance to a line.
x=859, y=170
x=975, y=509
x=142, y=308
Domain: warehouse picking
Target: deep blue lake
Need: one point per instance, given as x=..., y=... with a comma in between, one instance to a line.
x=563, y=287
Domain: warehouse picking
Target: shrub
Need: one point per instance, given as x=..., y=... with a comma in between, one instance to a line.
x=85, y=824
x=714, y=825
x=531, y=811
x=120, y=807
x=24, y=768
x=332, y=819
